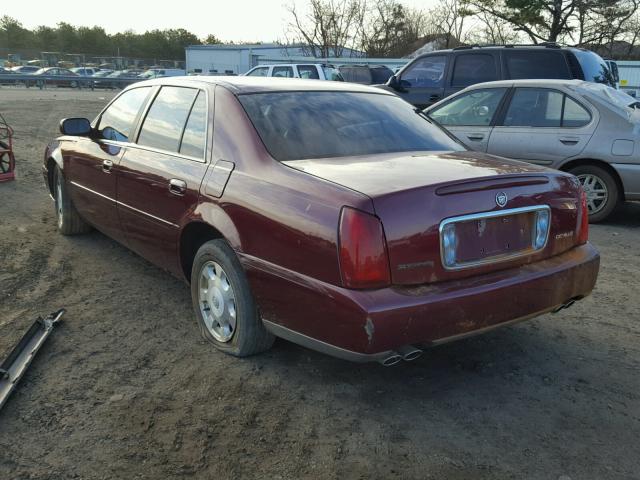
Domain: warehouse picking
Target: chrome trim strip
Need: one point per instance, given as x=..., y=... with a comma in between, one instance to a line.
x=92, y=191
x=148, y=214
x=125, y=205
x=493, y=214
x=322, y=347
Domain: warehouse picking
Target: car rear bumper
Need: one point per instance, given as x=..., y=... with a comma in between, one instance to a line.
x=369, y=325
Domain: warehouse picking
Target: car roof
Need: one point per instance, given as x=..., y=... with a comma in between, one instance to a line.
x=480, y=48
x=241, y=85
x=533, y=82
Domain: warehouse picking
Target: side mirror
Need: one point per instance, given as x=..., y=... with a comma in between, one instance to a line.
x=395, y=83
x=78, y=127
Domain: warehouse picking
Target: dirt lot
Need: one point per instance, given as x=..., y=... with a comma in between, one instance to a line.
x=126, y=388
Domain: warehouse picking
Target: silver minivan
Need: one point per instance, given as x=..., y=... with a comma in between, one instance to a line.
x=588, y=129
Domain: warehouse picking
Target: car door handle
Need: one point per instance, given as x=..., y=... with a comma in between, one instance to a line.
x=177, y=187
x=107, y=165
x=434, y=98
x=569, y=140
x=475, y=136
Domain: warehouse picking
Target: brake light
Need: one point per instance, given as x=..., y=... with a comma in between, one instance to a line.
x=583, y=219
x=364, y=262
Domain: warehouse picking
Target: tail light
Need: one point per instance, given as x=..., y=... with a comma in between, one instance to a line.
x=583, y=219
x=364, y=262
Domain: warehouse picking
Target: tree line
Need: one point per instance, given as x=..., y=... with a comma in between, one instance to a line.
x=387, y=28
x=162, y=44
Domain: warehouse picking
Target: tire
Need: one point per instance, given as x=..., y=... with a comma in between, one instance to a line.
x=598, y=182
x=215, y=268
x=68, y=220
x=73, y=84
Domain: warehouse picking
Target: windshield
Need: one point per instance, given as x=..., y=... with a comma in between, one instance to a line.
x=302, y=125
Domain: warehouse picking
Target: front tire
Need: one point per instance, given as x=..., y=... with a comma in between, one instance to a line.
x=601, y=189
x=224, y=306
x=69, y=221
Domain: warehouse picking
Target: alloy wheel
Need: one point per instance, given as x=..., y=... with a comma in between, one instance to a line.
x=217, y=302
x=596, y=191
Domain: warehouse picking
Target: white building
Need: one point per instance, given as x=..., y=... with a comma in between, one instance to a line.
x=241, y=58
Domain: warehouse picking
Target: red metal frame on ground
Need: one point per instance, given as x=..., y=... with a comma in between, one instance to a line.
x=7, y=158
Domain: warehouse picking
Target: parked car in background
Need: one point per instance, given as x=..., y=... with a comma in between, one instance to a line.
x=303, y=214
x=55, y=72
x=162, y=72
x=85, y=71
x=587, y=129
x=6, y=71
x=315, y=71
x=365, y=74
x=25, y=69
x=117, y=79
x=102, y=73
x=436, y=75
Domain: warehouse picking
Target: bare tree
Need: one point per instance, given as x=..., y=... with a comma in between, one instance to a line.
x=449, y=18
x=327, y=26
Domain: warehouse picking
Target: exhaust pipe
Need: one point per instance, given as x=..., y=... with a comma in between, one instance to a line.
x=565, y=305
x=409, y=353
x=391, y=359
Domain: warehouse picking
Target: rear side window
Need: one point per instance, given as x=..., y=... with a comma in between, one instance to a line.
x=299, y=125
x=473, y=68
x=117, y=120
x=536, y=64
x=286, y=72
x=595, y=69
x=163, y=125
x=193, y=139
x=425, y=72
x=535, y=107
x=308, y=71
x=574, y=114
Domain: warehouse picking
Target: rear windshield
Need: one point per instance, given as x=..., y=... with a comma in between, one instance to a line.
x=302, y=125
x=594, y=67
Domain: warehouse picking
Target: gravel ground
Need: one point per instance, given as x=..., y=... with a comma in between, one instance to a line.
x=126, y=388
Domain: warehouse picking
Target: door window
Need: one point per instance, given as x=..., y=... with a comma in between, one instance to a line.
x=164, y=123
x=475, y=108
x=117, y=120
x=536, y=64
x=258, y=72
x=308, y=71
x=575, y=115
x=425, y=72
x=473, y=68
x=535, y=107
x=286, y=72
x=193, y=139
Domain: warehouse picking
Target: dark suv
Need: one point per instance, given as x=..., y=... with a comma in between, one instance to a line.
x=436, y=75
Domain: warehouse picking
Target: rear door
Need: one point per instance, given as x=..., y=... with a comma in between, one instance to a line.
x=159, y=179
x=470, y=116
x=91, y=164
x=422, y=82
x=471, y=68
x=543, y=126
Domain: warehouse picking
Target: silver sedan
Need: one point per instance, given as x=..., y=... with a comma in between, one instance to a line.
x=588, y=129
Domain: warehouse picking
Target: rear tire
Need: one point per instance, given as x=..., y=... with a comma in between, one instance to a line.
x=69, y=221
x=601, y=188
x=224, y=306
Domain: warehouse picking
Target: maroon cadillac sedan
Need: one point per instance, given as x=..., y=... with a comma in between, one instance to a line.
x=332, y=215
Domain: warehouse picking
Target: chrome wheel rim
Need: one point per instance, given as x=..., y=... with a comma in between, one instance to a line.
x=217, y=301
x=596, y=191
x=59, y=202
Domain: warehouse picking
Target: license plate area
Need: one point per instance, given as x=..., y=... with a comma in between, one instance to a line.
x=490, y=237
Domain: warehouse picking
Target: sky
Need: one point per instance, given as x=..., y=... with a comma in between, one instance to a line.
x=229, y=20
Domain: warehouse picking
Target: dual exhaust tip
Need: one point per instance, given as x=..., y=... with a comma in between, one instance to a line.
x=407, y=353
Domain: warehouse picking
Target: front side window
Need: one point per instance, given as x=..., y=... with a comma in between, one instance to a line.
x=534, y=107
x=470, y=69
x=425, y=72
x=301, y=125
x=308, y=71
x=258, y=72
x=193, y=139
x=116, y=123
x=163, y=125
x=285, y=72
x=474, y=108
